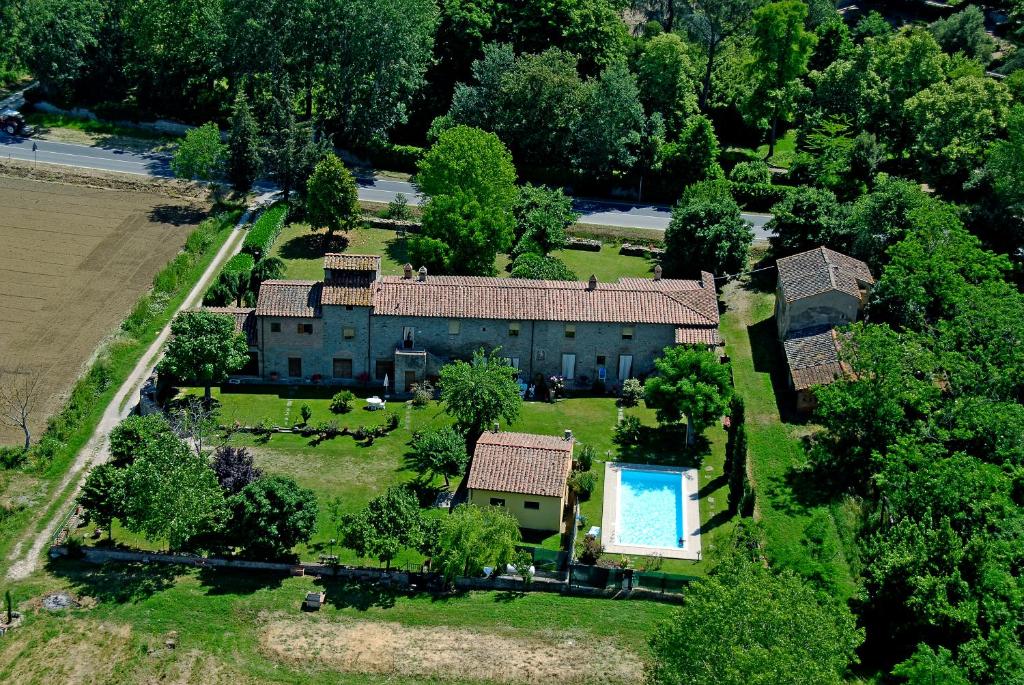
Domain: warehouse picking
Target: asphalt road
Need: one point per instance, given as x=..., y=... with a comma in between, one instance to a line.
x=371, y=188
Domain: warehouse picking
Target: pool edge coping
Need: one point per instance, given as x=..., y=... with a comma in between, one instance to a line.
x=691, y=512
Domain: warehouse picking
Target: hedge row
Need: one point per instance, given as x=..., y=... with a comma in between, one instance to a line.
x=264, y=233
x=241, y=264
x=396, y=157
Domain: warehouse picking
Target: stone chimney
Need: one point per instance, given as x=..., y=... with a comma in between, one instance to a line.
x=568, y=435
x=423, y=274
x=592, y=283
x=408, y=271
x=657, y=273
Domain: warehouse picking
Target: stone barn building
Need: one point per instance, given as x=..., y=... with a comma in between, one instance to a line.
x=817, y=291
x=357, y=326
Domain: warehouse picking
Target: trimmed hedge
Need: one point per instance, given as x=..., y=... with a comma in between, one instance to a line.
x=239, y=264
x=396, y=157
x=264, y=233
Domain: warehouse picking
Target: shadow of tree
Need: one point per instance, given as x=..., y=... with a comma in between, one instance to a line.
x=347, y=594
x=177, y=215
x=115, y=582
x=712, y=485
x=665, y=445
x=715, y=521
x=222, y=581
x=312, y=246
x=397, y=249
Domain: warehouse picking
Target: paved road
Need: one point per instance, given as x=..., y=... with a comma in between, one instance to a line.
x=371, y=188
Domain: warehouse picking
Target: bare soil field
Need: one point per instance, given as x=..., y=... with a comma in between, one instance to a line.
x=449, y=653
x=74, y=259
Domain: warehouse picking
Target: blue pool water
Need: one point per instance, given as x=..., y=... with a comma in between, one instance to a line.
x=650, y=511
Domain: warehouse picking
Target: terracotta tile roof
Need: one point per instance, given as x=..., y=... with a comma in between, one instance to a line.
x=353, y=297
x=691, y=335
x=630, y=300
x=820, y=270
x=245, y=320
x=351, y=262
x=289, y=298
x=521, y=462
x=813, y=358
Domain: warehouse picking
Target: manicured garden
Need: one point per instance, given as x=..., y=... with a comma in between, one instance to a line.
x=302, y=251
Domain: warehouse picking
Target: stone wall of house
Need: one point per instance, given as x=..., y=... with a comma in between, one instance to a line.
x=831, y=308
x=535, y=347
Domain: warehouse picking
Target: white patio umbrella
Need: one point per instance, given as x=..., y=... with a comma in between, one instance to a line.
x=385, y=385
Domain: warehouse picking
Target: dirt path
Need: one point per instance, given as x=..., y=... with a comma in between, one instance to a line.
x=24, y=556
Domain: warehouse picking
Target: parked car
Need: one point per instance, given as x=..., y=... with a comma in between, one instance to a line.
x=13, y=123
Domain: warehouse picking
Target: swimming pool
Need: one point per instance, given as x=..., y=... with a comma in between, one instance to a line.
x=650, y=509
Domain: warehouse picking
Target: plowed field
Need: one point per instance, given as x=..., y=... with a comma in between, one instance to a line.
x=73, y=262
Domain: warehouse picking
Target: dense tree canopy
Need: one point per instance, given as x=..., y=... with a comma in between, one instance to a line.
x=472, y=537
x=799, y=635
x=478, y=393
x=689, y=383
x=707, y=233
x=271, y=515
x=204, y=349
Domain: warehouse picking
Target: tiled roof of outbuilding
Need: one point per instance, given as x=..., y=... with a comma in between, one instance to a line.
x=351, y=262
x=820, y=270
x=289, y=298
x=521, y=462
x=633, y=300
x=813, y=358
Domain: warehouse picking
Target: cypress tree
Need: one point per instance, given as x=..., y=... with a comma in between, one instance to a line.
x=244, y=160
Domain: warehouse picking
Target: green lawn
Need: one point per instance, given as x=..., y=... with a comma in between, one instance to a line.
x=220, y=621
x=801, y=535
x=785, y=150
x=302, y=250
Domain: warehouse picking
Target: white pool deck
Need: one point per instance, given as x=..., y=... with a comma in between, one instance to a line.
x=691, y=513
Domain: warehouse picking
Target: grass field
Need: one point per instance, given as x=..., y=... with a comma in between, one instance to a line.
x=801, y=535
x=74, y=261
x=248, y=629
x=302, y=250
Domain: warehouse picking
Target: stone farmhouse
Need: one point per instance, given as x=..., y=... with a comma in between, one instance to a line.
x=817, y=291
x=357, y=326
x=525, y=474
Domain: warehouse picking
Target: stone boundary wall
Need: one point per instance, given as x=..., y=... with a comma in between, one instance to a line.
x=394, y=578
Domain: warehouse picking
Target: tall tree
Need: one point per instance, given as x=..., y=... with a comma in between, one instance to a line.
x=694, y=156
x=707, y=232
x=58, y=35
x=745, y=623
x=388, y=524
x=332, y=201
x=102, y=496
x=478, y=393
x=711, y=23
x=21, y=394
x=439, y=452
x=244, y=160
x=806, y=218
x=271, y=515
x=204, y=349
x=664, y=77
x=469, y=178
x=170, y=493
x=542, y=216
x=689, y=382
x=965, y=32
x=369, y=61
x=473, y=537
x=783, y=46
x=610, y=133
x=201, y=155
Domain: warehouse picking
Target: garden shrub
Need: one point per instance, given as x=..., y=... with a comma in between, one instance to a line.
x=306, y=412
x=756, y=172
x=12, y=457
x=341, y=403
x=592, y=551
x=396, y=157
x=632, y=392
x=264, y=233
x=398, y=209
x=422, y=393
x=585, y=457
x=582, y=484
x=628, y=431
x=390, y=420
